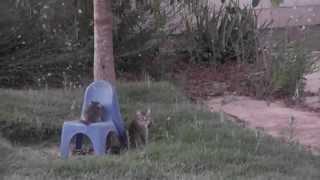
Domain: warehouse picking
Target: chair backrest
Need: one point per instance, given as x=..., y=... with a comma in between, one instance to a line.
x=103, y=92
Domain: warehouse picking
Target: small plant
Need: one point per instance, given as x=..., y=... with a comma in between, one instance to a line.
x=289, y=133
x=276, y=3
x=290, y=62
x=280, y=68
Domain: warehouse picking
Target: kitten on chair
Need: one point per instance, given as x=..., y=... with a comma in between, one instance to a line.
x=93, y=113
x=139, y=129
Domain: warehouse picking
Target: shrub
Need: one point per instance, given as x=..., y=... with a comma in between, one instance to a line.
x=279, y=70
x=41, y=40
x=224, y=34
x=52, y=42
x=137, y=36
x=290, y=62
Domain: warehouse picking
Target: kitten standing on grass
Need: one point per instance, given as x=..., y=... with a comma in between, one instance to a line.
x=139, y=129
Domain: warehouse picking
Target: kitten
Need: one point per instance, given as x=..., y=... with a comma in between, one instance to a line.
x=93, y=113
x=139, y=129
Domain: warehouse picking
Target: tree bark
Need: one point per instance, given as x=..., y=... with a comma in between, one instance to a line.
x=104, y=68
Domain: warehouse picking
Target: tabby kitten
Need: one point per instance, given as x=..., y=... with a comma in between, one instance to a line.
x=139, y=129
x=93, y=113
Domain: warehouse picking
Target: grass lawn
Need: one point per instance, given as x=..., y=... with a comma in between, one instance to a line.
x=192, y=144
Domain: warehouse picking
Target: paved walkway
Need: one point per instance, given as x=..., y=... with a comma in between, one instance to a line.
x=276, y=119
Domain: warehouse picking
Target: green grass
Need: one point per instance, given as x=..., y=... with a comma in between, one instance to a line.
x=193, y=144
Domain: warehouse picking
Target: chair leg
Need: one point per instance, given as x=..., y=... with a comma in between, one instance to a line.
x=64, y=146
x=99, y=145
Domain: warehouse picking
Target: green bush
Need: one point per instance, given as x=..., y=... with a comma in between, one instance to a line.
x=221, y=35
x=280, y=69
x=52, y=42
x=44, y=42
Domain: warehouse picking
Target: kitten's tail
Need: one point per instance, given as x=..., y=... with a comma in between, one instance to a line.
x=128, y=140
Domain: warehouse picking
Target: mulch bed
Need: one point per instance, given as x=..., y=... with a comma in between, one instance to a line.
x=203, y=81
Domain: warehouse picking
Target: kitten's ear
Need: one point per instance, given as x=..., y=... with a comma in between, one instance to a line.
x=148, y=111
x=94, y=102
x=100, y=105
x=138, y=113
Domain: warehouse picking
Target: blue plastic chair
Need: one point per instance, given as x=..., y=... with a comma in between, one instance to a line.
x=102, y=92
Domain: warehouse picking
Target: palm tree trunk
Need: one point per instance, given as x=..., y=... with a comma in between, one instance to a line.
x=103, y=46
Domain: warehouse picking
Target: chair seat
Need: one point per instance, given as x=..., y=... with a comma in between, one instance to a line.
x=79, y=126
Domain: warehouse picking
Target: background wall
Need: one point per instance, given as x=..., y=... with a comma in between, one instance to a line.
x=267, y=3
x=289, y=13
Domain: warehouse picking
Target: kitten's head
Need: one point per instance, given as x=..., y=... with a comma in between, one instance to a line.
x=96, y=106
x=144, y=118
x=94, y=110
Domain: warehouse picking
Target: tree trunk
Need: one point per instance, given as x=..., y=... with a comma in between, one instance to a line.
x=103, y=46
